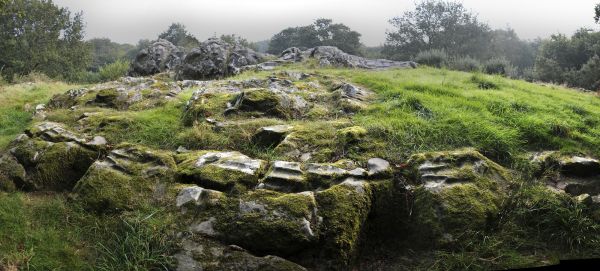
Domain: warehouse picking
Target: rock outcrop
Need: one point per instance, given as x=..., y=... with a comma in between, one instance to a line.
x=332, y=56
x=216, y=59
x=160, y=56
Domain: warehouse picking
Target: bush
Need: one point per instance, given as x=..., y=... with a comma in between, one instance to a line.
x=589, y=75
x=434, y=58
x=114, y=71
x=465, y=64
x=499, y=66
x=86, y=77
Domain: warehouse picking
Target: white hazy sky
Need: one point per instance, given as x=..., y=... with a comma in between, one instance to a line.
x=130, y=20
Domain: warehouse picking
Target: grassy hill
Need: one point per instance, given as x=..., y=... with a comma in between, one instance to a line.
x=412, y=111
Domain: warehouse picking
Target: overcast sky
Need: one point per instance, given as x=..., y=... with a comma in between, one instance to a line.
x=130, y=20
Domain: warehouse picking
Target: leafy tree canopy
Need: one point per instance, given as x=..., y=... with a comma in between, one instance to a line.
x=178, y=35
x=37, y=35
x=105, y=51
x=440, y=25
x=321, y=32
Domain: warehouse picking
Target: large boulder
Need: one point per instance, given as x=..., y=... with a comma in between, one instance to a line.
x=159, y=57
x=216, y=59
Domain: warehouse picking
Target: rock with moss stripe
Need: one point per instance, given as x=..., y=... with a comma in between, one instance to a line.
x=222, y=171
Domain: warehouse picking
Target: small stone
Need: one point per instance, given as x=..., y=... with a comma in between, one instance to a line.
x=305, y=156
x=378, y=166
x=97, y=141
x=182, y=149
x=206, y=227
x=189, y=194
x=584, y=199
x=271, y=136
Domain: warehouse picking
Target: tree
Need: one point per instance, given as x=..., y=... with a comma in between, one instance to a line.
x=573, y=60
x=303, y=37
x=104, y=52
x=506, y=44
x=37, y=35
x=232, y=39
x=440, y=25
x=321, y=32
x=178, y=35
x=597, y=13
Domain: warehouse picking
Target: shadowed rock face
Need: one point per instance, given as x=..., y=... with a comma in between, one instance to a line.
x=160, y=56
x=575, y=175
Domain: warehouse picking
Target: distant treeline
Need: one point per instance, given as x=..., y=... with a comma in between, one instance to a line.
x=38, y=36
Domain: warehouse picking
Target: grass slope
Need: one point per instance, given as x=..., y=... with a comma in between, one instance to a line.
x=17, y=103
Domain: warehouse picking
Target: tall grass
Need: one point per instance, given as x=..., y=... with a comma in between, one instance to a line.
x=501, y=117
x=133, y=244
x=18, y=101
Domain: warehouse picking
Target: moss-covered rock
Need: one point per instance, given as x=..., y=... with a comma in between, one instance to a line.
x=262, y=221
x=12, y=174
x=271, y=136
x=455, y=192
x=130, y=177
x=67, y=99
x=344, y=209
x=205, y=105
x=223, y=171
x=51, y=166
x=285, y=177
x=60, y=166
x=351, y=134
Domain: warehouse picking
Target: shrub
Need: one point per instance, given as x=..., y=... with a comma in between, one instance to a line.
x=114, y=71
x=434, y=58
x=589, y=75
x=465, y=64
x=499, y=66
x=87, y=77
